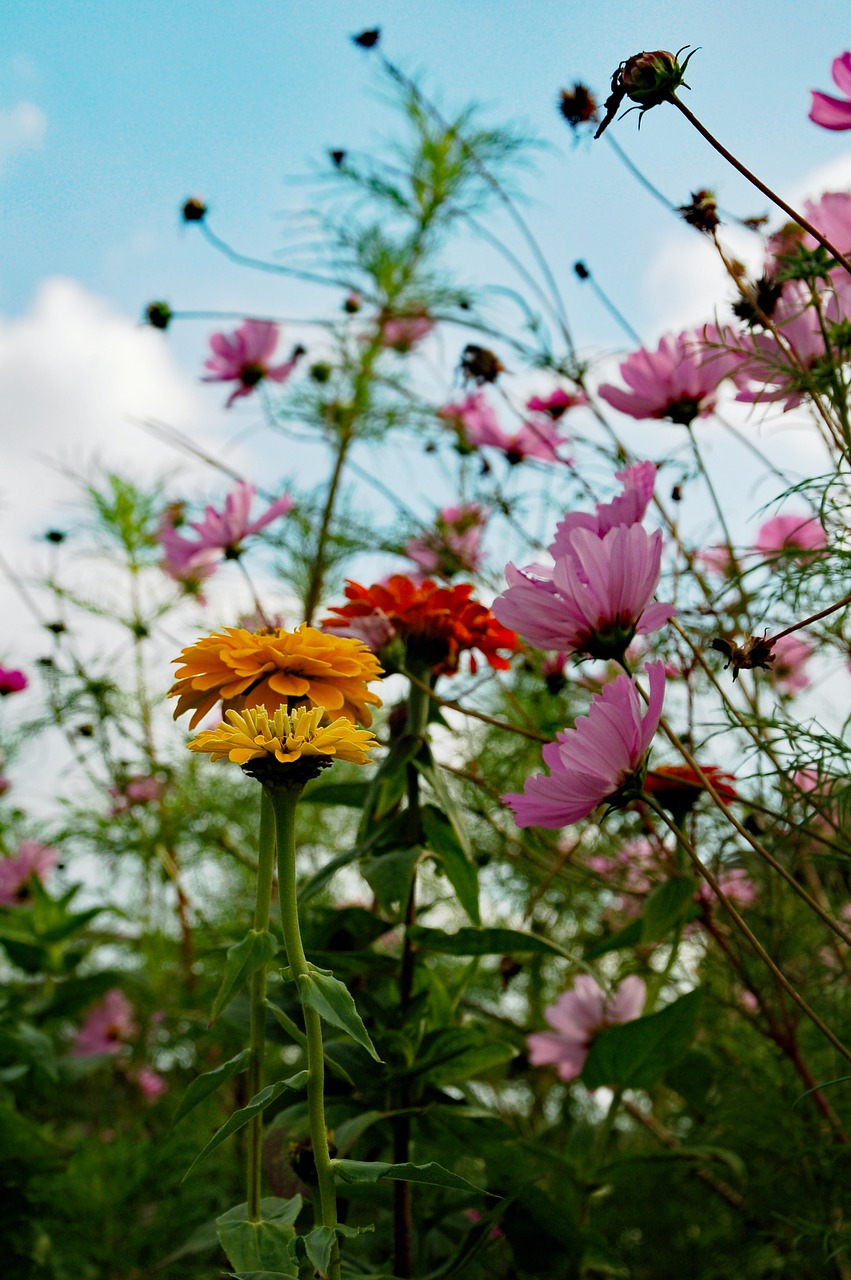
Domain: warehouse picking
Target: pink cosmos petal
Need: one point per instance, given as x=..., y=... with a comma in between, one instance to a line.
x=218, y=533
x=829, y=112
x=779, y=538
x=108, y=1026
x=32, y=859
x=790, y=655
x=243, y=357
x=11, y=681
x=576, y=1017
x=678, y=381
x=590, y=763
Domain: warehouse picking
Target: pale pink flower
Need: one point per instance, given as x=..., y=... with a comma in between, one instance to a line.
x=749, y=1002
x=763, y=370
x=678, y=381
x=790, y=537
x=594, y=600
x=596, y=759
x=32, y=859
x=629, y=507
x=557, y=403
x=717, y=559
x=830, y=112
x=830, y=214
x=243, y=357
x=479, y=426
x=137, y=790
x=473, y=418
x=454, y=545
x=577, y=1017
x=735, y=884
x=108, y=1027
x=402, y=332
x=790, y=654
x=11, y=681
x=219, y=533
x=151, y=1084
x=375, y=629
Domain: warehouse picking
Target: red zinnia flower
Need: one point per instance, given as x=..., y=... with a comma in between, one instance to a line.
x=438, y=623
x=677, y=786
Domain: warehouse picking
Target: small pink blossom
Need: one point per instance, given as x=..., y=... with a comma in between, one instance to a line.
x=830, y=214
x=151, y=1084
x=479, y=426
x=629, y=507
x=596, y=759
x=137, y=790
x=375, y=629
x=577, y=1017
x=718, y=559
x=594, y=600
x=32, y=859
x=781, y=537
x=108, y=1027
x=735, y=884
x=557, y=403
x=243, y=357
x=678, y=381
x=11, y=681
x=830, y=112
x=790, y=655
x=219, y=533
x=454, y=545
x=402, y=332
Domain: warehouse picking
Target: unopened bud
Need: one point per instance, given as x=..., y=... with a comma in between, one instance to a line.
x=194, y=210
x=158, y=315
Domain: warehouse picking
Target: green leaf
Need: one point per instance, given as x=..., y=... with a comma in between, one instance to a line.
x=202, y=1086
x=636, y=1055
x=350, y=794
x=627, y=937
x=244, y=958
x=483, y=942
x=388, y=782
x=433, y=1175
x=334, y=1002
x=389, y=875
x=240, y=1118
x=458, y=1053
x=431, y=771
x=318, y=1244
x=285, y=1021
x=462, y=873
x=262, y=1246
x=672, y=903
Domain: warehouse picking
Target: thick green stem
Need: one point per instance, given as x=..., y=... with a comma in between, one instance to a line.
x=257, y=1042
x=284, y=801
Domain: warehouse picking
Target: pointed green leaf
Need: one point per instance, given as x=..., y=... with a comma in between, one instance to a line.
x=318, y=1244
x=462, y=872
x=285, y=1021
x=432, y=772
x=629, y=936
x=636, y=1055
x=670, y=904
x=244, y=958
x=202, y=1086
x=262, y=1246
x=334, y=1002
x=240, y=1118
x=350, y=794
x=433, y=1175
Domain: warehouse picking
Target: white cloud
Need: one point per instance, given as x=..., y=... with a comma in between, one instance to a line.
x=22, y=128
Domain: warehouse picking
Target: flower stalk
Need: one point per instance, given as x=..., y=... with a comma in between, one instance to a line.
x=257, y=1041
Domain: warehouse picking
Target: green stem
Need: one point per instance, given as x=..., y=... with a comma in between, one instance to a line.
x=257, y=1042
x=284, y=801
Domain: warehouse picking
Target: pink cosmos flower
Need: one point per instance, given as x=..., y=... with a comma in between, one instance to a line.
x=594, y=600
x=830, y=214
x=576, y=1018
x=790, y=654
x=32, y=859
x=108, y=1026
x=629, y=507
x=735, y=884
x=829, y=112
x=717, y=559
x=677, y=382
x=135, y=791
x=782, y=536
x=763, y=369
x=218, y=533
x=454, y=545
x=593, y=761
x=557, y=403
x=11, y=681
x=479, y=426
x=243, y=357
x=375, y=629
x=151, y=1083
x=402, y=332
x=473, y=418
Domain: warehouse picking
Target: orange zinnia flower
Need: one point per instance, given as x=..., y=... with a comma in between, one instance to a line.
x=276, y=668
x=438, y=623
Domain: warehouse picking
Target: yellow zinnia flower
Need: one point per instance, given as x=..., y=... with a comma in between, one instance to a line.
x=286, y=737
x=268, y=668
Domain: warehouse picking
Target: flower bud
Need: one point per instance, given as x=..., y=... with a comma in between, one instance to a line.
x=577, y=105
x=194, y=210
x=650, y=78
x=158, y=314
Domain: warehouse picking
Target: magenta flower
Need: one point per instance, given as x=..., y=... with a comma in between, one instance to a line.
x=219, y=533
x=576, y=1018
x=785, y=537
x=677, y=382
x=598, y=760
x=594, y=600
x=829, y=112
x=31, y=860
x=137, y=790
x=454, y=545
x=473, y=418
x=107, y=1028
x=11, y=681
x=557, y=403
x=830, y=214
x=479, y=426
x=151, y=1084
x=243, y=357
x=627, y=508
x=787, y=670
x=401, y=332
